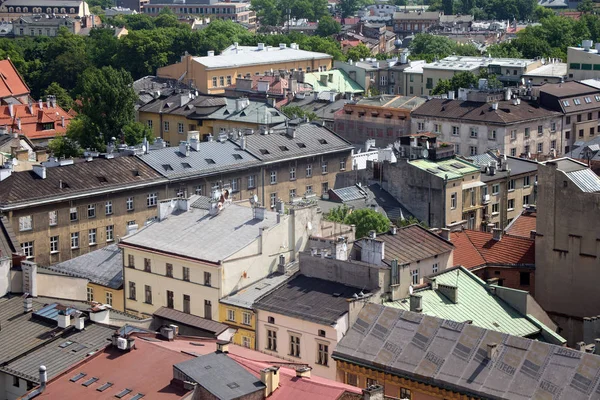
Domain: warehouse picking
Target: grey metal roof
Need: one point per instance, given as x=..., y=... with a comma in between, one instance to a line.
x=311, y=299
x=586, y=180
x=516, y=166
x=247, y=296
x=310, y=140
x=183, y=104
x=213, y=157
x=103, y=267
x=255, y=112
x=223, y=377
x=453, y=355
x=221, y=235
x=194, y=321
x=201, y=202
x=350, y=193
x=581, y=150
x=324, y=110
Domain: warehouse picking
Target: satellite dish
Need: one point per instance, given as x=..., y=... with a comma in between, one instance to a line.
x=217, y=195
x=410, y=289
x=425, y=153
x=254, y=199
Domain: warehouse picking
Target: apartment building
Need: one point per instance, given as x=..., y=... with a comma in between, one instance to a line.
x=583, y=62
x=11, y=10
x=383, y=118
x=478, y=124
x=579, y=106
x=239, y=12
x=566, y=246
x=63, y=209
x=384, y=76
x=406, y=23
x=40, y=26
x=213, y=73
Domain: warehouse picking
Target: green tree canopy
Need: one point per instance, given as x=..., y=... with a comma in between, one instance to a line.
x=328, y=26
x=443, y=87
x=358, y=52
x=63, y=98
x=367, y=220
x=401, y=222
x=297, y=112
x=64, y=146
x=135, y=132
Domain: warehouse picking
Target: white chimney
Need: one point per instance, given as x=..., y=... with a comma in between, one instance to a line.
x=62, y=121
x=222, y=346
x=11, y=110
x=587, y=44
x=492, y=350
x=270, y=377
x=303, y=372
x=40, y=171
x=64, y=320
x=40, y=104
x=282, y=45
x=497, y=234
x=80, y=323
x=184, y=148
x=27, y=303
x=261, y=46
x=451, y=95
x=243, y=142
x=19, y=123
x=495, y=105
x=210, y=53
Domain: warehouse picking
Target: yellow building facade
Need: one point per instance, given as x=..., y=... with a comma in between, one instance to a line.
x=242, y=319
x=105, y=295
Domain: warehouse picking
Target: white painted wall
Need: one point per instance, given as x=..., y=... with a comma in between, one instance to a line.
x=5, y=264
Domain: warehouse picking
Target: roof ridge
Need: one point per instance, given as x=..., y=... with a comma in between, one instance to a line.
x=475, y=247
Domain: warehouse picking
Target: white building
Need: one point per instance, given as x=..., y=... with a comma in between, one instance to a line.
x=584, y=62
x=363, y=154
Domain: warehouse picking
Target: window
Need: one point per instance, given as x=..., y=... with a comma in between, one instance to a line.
x=110, y=233
x=90, y=294
x=166, y=126
x=180, y=127
x=511, y=204
x=292, y=173
x=52, y=218
x=511, y=184
x=453, y=198
x=91, y=211
x=526, y=149
x=27, y=248
x=131, y=290
x=568, y=120
x=108, y=208
x=273, y=177
x=292, y=194
x=149, y=122
x=324, y=167
x=405, y=394
x=246, y=318
x=592, y=131
x=186, y=273
x=186, y=303
x=73, y=213
x=495, y=208
x=309, y=189
x=513, y=134
x=455, y=130
x=25, y=223
x=540, y=129
x=273, y=198
x=308, y=170
x=207, y=279
x=251, y=181
x=75, y=240
x=525, y=200
x=294, y=346
x=473, y=150
x=371, y=382
x=495, y=188
x=524, y=278
x=235, y=185
x=553, y=145
x=343, y=164
x=147, y=294
x=579, y=118
x=526, y=132
x=271, y=340
x=323, y=354
x=130, y=260
x=246, y=341
x=526, y=181
x=92, y=237
x=414, y=274
x=230, y=315
x=53, y=244
x=109, y=298
x=492, y=134
x=151, y=199
x=129, y=204
x=420, y=126
x=457, y=148
x=552, y=126
x=351, y=379
x=214, y=81
x=434, y=268
x=147, y=265
x=228, y=80
x=567, y=134
x=540, y=147
x=199, y=190
x=581, y=133
x=513, y=152
x=473, y=132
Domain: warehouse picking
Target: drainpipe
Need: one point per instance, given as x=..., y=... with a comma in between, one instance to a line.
x=41, y=388
x=262, y=173
x=443, y=200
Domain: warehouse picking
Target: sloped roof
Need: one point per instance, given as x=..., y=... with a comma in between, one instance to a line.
x=255, y=112
x=32, y=119
x=340, y=81
x=522, y=225
x=194, y=321
x=413, y=243
x=11, y=82
x=8, y=241
x=476, y=303
x=453, y=355
x=476, y=248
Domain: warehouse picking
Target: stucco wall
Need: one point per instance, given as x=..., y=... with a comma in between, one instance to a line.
x=62, y=287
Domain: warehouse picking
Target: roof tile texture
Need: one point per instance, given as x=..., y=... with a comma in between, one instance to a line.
x=474, y=248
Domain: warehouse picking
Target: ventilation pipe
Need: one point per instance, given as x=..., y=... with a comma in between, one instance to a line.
x=42, y=387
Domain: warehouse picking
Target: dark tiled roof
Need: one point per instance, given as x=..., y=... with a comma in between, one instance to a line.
x=311, y=299
x=221, y=376
x=507, y=113
x=103, y=267
x=567, y=89
x=310, y=140
x=179, y=317
x=453, y=356
x=80, y=179
x=181, y=104
x=413, y=243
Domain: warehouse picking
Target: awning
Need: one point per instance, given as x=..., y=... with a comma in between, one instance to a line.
x=473, y=185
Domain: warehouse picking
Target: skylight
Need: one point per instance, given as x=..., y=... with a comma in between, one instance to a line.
x=90, y=381
x=566, y=103
x=186, y=165
x=577, y=102
x=301, y=145
x=78, y=377
x=587, y=100
x=167, y=167
x=102, y=179
x=283, y=148
x=264, y=151
x=137, y=396
x=322, y=141
x=123, y=393
x=210, y=161
x=237, y=156
x=458, y=166
x=104, y=387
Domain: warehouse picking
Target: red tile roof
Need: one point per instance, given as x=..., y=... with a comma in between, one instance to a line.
x=11, y=83
x=475, y=248
x=33, y=119
x=522, y=225
x=277, y=85
x=148, y=369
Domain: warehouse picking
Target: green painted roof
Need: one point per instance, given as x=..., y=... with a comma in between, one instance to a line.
x=341, y=82
x=475, y=304
x=455, y=168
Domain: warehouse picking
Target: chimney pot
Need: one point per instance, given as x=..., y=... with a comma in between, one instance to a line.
x=222, y=346
x=416, y=303
x=373, y=392
x=580, y=346
x=303, y=372
x=492, y=349
x=532, y=235
x=445, y=233
x=497, y=234
x=372, y=234
x=393, y=229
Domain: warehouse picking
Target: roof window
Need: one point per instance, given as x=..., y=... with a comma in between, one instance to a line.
x=167, y=167
x=78, y=377
x=209, y=161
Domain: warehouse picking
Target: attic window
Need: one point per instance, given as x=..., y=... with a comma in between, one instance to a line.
x=167, y=105
x=90, y=381
x=209, y=161
x=237, y=157
x=78, y=377
x=587, y=100
x=577, y=102
x=283, y=148
x=275, y=113
x=137, y=397
x=458, y=166
x=597, y=97
x=264, y=151
x=65, y=344
x=123, y=393
x=186, y=165
x=104, y=387
x=226, y=112
x=136, y=172
x=566, y=103
x=102, y=179
x=443, y=169
x=167, y=167
x=243, y=114
x=322, y=141
x=301, y=145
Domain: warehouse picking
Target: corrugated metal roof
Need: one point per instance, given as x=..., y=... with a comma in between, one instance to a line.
x=255, y=112
x=247, y=296
x=350, y=193
x=475, y=304
x=194, y=321
x=585, y=179
x=445, y=168
x=340, y=81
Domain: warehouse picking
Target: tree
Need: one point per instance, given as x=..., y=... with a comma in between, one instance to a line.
x=297, y=112
x=540, y=13
x=358, y=52
x=62, y=96
x=135, y=132
x=338, y=214
x=108, y=101
x=410, y=221
x=585, y=6
x=504, y=50
x=348, y=8
x=328, y=26
x=63, y=146
x=448, y=7
x=367, y=220
x=425, y=43
x=267, y=11
x=443, y=87
x=464, y=79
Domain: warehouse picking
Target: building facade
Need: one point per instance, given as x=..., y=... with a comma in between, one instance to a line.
x=11, y=10
x=583, y=62
x=238, y=12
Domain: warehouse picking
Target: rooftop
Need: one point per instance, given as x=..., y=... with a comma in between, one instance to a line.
x=552, y=70
x=481, y=61
x=213, y=327
x=454, y=356
x=453, y=168
x=234, y=222
x=311, y=299
x=522, y=225
x=340, y=81
x=585, y=150
x=103, y=267
x=145, y=370
x=11, y=82
x=37, y=123
x=242, y=56
x=8, y=240
x=416, y=15
x=246, y=297
x=391, y=101
x=476, y=303
x=75, y=180
x=186, y=104
x=582, y=176
x=507, y=113
x=255, y=112
x=515, y=166
x=476, y=248
x=567, y=89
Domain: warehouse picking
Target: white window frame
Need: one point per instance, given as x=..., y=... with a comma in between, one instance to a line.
x=152, y=199
x=54, y=244
x=246, y=318
x=25, y=223
x=27, y=249
x=434, y=268
x=511, y=185
x=166, y=126
x=509, y=208
x=495, y=206
x=90, y=294
x=108, y=207
x=230, y=315
x=74, y=240
x=456, y=131
x=91, y=211
x=453, y=200
x=308, y=170
x=495, y=188
x=180, y=127
x=414, y=276
x=342, y=164
x=92, y=236
x=246, y=341
x=251, y=181
x=273, y=179
x=322, y=354
x=110, y=233
x=324, y=166
x=129, y=204
x=273, y=199
x=109, y=298
x=292, y=173
x=271, y=339
x=526, y=181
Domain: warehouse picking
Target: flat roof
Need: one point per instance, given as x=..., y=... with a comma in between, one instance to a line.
x=246, y=297
x=554, y=70
x=453, y=168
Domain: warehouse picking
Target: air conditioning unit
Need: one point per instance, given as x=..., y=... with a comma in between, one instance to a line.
x=122, y=343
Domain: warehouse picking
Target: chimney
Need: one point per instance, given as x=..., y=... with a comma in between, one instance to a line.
x=372, y=234
x=434, y=285
x=48, y=102
x=304, y=372
x=492, y=281
x=451, y=292
x=373, y=392
x=223, y=346
x=260, y=47
x=27, y=303
x=270, y=377
x=580, y=346
x=62, y=121
x=19, y=123
x=451, y=95
x=184, y=148
x=416, y=303
x=243, y=141
x=259, y=213
x=80, y=323
x=373, y=250
x=532, y=235
x=210, y=53
x=40, y=104
x=497, y=234
x=492, y=350
x=11, y=110
x=393, y=229
x=64, y=320
x=445, y=233
x=40, y=171
x=100, y=315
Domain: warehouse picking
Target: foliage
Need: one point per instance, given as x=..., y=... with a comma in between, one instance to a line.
x=464, y=79
x=504, y=50
x=297, y=112
x=410, y=221
x=357, y=52
x=338, y=214
x=275, y=12
x=428, y=47
x=540, y=12
x=328, y=26
x=585, y=6
x=448, y=7
x=348, y=8
x=63, y=146
x=135, y=132
x=443, y=87
x=367, y=220
x=63, y=98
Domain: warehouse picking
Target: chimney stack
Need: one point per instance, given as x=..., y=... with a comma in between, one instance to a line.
x=40, y=104
x=80, y=322
x=373, y=392
x=223, y=346
x=532, y=235
x=597, y=346
x=270, y=377
x=580, y=346
x=445, y=233
x=259, y=213
x=451, y=292
x=304, y=372
x=64, y=320
x=497, y=234
x=184, y=148
x=27, y=303
x=393, y=229
x=62, y=121
x=372, y=234
x=492, y=350
x=416, y=303
x=11, y=110
x=40, y=171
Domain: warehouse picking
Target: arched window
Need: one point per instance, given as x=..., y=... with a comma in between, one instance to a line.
x=71, y=11
x=11, y=9
x=63, y=10
x=18, y=9
x=48, y=10
x=25, y=9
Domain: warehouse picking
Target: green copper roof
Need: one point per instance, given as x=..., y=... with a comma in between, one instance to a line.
x=341, y=82
x=454, y=168
x=475, y=303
